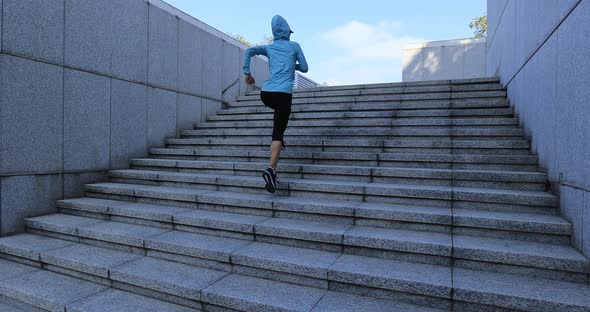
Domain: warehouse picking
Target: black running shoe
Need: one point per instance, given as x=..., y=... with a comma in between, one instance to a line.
x=270, y=177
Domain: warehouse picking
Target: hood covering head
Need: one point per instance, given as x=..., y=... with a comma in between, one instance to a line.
x=280, y=28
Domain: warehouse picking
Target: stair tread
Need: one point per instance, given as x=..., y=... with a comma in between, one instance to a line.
x=438, y=157
x=519, y=252
x=435, y=192
x=341, y=302
x=340, y=169
x=520, y=292
x=48, y=290
x=395, y=212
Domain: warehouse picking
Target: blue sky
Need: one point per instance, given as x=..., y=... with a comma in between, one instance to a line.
x=345, y=42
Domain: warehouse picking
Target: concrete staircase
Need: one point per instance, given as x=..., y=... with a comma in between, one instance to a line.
x=393, y=197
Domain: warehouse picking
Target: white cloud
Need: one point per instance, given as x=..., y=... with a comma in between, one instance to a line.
x=357, y=52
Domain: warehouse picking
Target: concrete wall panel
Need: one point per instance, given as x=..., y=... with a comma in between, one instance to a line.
x=231, y=72
x=27, y=196
x=527, y=23
x=73, y=183
x=572, y=209
x=551, y=13
x=189, y=112
x=211, y=46
x=128, y=122
x=34, y=29
x=573, y=94
x=163, y=45
x=190, y=56
x=412, y=65
x=208, y=108
x=161, y=116
x=88, y=35
x=130, y=40
x=474, y=61
x=87, y=121
x=32, y=115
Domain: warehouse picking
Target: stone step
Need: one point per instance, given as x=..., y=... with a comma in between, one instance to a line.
x=356, y=191
x=489, y=254
x=373, y=90
x=184, y=284
x=455, y=84
x=371, y=132
x=215, y=206
x=520, y=293
x=267, y=114
x=522, y=180
x=373, y=122
x=193, y=287
x=351, y=106
x=488, y=146
x=262, y=113
x=382, y=97
x=373, y=159
x=31, y=289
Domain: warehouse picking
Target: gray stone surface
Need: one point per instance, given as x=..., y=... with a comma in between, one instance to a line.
x=120, y=233
x=128, y=122
x=253, y=294
x=399, y=240
x=87, y=118
x=8, y=305
x=340, y=302
x=190, y=58
x=572, y=94
x=586, y=243
x=163, y=48
x=189, y=111
x=48, y=290
x=27, y=196
x=116, y=300
x=29, y=246
x=60, y=223
x=146, y=211
x=89, y=19
x=161, y=116
x=32, y=107
x=212, y=69
x=532, y=254
x=196, y=245
x=87, y=259
x=34, y=29
x=219, y=220
x=299, y=261
x=231, y=72
x=9, y=270
x=209, y=108
x=393, y=275
x=73, y=183
x=551, y=13
x=519, y=293
x=572, y=210
x=172, y=278
x=129, y=39
x=303, y=230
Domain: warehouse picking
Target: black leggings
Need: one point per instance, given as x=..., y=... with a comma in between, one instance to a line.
x=281, y=103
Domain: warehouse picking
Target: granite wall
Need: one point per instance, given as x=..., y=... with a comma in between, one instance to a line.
x=541, y=51
x=87, y=84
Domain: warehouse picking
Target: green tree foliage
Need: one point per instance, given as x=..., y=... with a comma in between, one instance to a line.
x=267, y=40
x=479, y=26
x=241, y=39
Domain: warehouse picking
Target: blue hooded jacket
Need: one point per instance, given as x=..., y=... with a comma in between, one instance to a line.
x=284, y=57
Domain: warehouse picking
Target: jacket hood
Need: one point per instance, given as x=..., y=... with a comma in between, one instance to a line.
x=280, y=28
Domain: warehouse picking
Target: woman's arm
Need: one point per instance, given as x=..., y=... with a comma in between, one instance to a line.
x=302, y=62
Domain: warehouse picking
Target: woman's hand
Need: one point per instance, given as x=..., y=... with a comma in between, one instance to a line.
x=250, y=80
